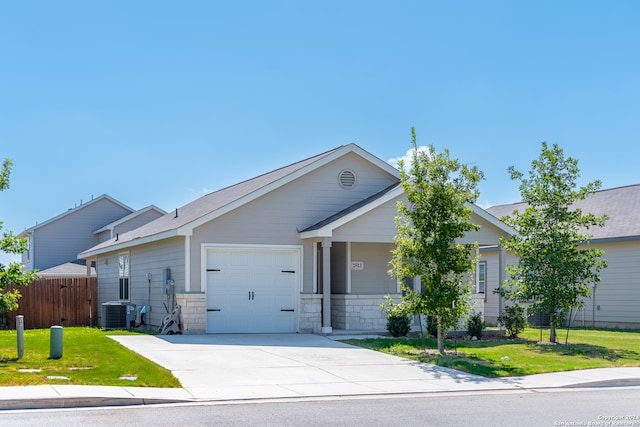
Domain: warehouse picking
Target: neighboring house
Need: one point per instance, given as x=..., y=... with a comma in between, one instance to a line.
x=55, y=243
x=615, y=303
x=304, y=248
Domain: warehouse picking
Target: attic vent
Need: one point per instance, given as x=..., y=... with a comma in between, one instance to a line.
x=347, y=179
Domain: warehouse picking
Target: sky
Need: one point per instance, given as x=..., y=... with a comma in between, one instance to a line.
x=160, y=102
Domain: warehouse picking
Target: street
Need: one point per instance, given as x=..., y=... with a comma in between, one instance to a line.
x=545, y=407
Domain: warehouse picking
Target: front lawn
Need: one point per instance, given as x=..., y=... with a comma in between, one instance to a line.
x=586, y=349
x=89, y=357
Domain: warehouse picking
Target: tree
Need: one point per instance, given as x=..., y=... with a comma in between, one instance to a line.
x=13, y=274
x=439, y=192
x=555, y=263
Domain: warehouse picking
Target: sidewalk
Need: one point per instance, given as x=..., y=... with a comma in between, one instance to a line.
x=241, y=367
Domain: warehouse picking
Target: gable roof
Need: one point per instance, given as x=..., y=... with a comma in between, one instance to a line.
x=393, y=192
x=74, y=210
x=213, y=205
x=620, y=204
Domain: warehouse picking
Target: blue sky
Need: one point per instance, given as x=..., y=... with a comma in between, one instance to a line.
x=159, y=102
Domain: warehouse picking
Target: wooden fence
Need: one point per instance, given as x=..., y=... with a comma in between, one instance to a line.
x=65, y=301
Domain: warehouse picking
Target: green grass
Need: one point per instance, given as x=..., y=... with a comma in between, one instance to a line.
x=89, y=357
x=585, y=349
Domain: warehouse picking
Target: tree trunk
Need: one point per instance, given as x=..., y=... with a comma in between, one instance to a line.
x=552, y=329
x=440, y=338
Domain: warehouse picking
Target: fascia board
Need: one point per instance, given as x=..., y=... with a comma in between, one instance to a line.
x=128, y=244
x=327, y=230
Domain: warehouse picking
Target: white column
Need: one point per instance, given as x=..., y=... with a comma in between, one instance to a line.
x=326, y=286
x=348, y=272
x=502, y=265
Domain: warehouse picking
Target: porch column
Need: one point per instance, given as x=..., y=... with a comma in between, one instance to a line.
x=502, y=264
x=326, y=286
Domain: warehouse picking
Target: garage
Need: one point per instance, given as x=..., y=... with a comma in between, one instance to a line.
x=252, y=290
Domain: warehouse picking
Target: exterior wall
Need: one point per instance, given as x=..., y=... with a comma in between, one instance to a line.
x=339, y=268
x=617, y=296
x=193, y=313
x=374, y=279
x=310, y=320
x=378, y=225
x=152, y=258
x=276, y=219
x=64, y=238
x=359, y=312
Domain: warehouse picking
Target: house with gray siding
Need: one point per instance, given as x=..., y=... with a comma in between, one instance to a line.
x=615, y=300
x=304, y=248
x=53, y=245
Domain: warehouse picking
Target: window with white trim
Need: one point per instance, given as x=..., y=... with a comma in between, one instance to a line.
x=482, y=277
x=123, y=275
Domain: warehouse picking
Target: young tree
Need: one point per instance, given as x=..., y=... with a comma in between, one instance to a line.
x=437, y=213
x=13, y=274
x=555, y=264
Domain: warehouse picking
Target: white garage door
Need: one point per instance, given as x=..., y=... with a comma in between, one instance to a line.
x=251, y=290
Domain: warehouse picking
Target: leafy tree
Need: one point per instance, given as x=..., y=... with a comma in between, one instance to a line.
x=13, y=274
x=555, y=263
x=437, y=213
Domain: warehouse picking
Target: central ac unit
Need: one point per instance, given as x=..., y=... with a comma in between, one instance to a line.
x=118, y=315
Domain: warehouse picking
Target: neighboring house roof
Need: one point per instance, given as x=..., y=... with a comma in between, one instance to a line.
x=206, y=208
x=73, y=210
x=68, y=269
x=130, y=217
x=620, y=204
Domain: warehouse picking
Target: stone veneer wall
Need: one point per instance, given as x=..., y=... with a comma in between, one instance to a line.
x=310, y=314
x=193, y=313
x=359, y=312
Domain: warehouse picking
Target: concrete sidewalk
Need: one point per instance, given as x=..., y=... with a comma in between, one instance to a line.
x=239, y=367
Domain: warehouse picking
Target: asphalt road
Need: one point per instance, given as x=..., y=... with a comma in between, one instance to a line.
x=618, y=406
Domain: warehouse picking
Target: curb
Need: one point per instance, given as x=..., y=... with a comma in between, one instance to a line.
x=81, y=402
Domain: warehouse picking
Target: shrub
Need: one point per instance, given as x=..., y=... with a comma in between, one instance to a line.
x=513, y=320
x=398, y=326
x=475, y=325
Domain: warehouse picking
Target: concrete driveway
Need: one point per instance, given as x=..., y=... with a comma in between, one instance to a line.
x=232, y=367
x=290, y=365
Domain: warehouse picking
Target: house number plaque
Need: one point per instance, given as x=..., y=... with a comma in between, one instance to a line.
x=357, y=265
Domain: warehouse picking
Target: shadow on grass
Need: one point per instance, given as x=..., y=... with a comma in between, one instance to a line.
x=589, y=351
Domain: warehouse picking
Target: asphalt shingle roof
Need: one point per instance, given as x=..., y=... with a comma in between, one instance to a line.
x=621, y=204
x=209, y=203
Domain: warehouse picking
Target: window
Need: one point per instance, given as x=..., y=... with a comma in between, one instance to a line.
x=482, y=277
x=123, y=275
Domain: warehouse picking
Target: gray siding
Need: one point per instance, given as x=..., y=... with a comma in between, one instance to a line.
x=152, y=258
x=617, y=296
x=63, y=239
x=276, y=219
x=375, y=278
